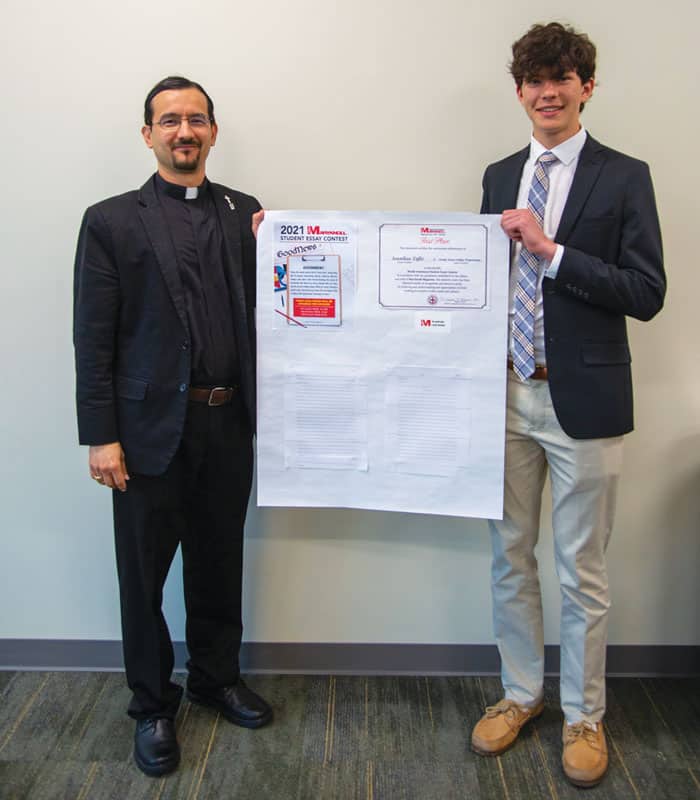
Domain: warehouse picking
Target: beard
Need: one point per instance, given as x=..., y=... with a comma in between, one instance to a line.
x=186, y=162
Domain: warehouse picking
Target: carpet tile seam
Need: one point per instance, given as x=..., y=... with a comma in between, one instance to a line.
x=204, y=760
x=182, y=723
x=695, y=780
x=23, y=713
x=367, y=709
x=430, y=705
x=653, y=705
x=89, y=780
x=182, y=711
x=658, y=713
x=501, y=772
x=623, y=764
x=87, y=720
x=159, y=788
x=543, y=759
x=332, y=728
x=9, y=683
x=330, y=723
x=481, y=692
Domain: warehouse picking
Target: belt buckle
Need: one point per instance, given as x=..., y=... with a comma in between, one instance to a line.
x=211, y=395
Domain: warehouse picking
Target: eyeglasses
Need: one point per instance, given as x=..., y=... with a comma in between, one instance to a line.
x=171, y=122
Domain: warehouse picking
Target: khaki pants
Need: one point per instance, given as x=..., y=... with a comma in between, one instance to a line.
x=584, y=476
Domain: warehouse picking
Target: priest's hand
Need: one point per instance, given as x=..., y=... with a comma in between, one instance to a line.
x=258, y=217
x=107, y=465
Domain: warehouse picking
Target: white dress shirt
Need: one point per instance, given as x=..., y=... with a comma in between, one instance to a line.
x=561, y=176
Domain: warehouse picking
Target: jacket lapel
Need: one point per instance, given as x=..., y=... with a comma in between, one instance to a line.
x=231, y=227
x=587, y=171
x=156, y=227
x=508, y=190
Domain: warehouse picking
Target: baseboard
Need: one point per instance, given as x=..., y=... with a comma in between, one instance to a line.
x=347, y=658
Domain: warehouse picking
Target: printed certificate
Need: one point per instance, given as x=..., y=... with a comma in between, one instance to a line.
x=432, y=266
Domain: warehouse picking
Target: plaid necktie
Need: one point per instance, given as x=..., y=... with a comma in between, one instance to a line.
x=528, y=268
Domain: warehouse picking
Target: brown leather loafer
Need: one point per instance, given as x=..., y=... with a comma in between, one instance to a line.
x=496, y=731
x=585, y=754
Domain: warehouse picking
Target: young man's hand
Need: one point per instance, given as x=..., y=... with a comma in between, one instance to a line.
x=521, y=226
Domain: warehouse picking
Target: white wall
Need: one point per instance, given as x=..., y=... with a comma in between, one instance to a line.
x=371, y=104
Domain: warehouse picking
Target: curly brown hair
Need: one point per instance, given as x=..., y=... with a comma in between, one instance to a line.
x=552, y=49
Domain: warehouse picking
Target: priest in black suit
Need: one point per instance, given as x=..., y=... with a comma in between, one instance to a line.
x=587, y=254
x=165, y=357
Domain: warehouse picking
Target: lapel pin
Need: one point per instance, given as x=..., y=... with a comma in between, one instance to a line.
x=230, y=202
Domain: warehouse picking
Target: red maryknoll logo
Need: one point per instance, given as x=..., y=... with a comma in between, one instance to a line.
x=425, y=230
x=315, y=230
x=425, y=323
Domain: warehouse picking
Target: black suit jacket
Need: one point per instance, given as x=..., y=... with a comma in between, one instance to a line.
x=612, y=267
x=131, y=336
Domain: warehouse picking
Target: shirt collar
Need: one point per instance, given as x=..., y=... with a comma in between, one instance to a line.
x=566, y=152
x=180, y=192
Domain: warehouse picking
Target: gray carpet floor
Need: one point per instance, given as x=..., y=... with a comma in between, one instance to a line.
x=65, y=735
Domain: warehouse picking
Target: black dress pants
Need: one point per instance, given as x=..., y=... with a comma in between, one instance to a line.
x=200, y=502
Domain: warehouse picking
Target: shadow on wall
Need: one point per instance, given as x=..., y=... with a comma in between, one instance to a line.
x=679, y=526
x=655, y=547
x=331, y=524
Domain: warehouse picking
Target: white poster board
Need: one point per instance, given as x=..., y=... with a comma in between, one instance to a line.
x=382, y=361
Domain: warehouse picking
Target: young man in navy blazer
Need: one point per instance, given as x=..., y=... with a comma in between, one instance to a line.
x=165, y=359
x=587, y=253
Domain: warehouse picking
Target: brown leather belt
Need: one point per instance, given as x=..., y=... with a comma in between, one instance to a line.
x=540, y=373
x=218, y=396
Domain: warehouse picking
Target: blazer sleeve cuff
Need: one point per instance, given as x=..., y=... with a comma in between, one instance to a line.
x=553, y=268
x=97, y=425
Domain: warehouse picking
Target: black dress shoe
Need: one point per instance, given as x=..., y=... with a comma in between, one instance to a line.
x=237, y=703
x=156, y=751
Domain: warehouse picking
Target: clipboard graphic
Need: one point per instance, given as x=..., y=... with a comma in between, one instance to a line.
x=314, y=290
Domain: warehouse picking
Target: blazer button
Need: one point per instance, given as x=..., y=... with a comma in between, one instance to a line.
x=185, y=345
x=183, y=387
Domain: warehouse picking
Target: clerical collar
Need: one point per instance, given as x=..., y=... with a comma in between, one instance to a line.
x=181, y=192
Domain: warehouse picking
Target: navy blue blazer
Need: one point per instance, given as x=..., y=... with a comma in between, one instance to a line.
x=612, y=267
x=130, y=330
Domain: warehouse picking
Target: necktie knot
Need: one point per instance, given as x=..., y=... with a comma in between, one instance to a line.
x=547, y=159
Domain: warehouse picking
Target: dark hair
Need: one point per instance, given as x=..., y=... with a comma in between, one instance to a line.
x=553, y=49
x=174, y=82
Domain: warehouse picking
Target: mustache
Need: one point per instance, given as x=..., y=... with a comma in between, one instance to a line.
x=188, y=141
